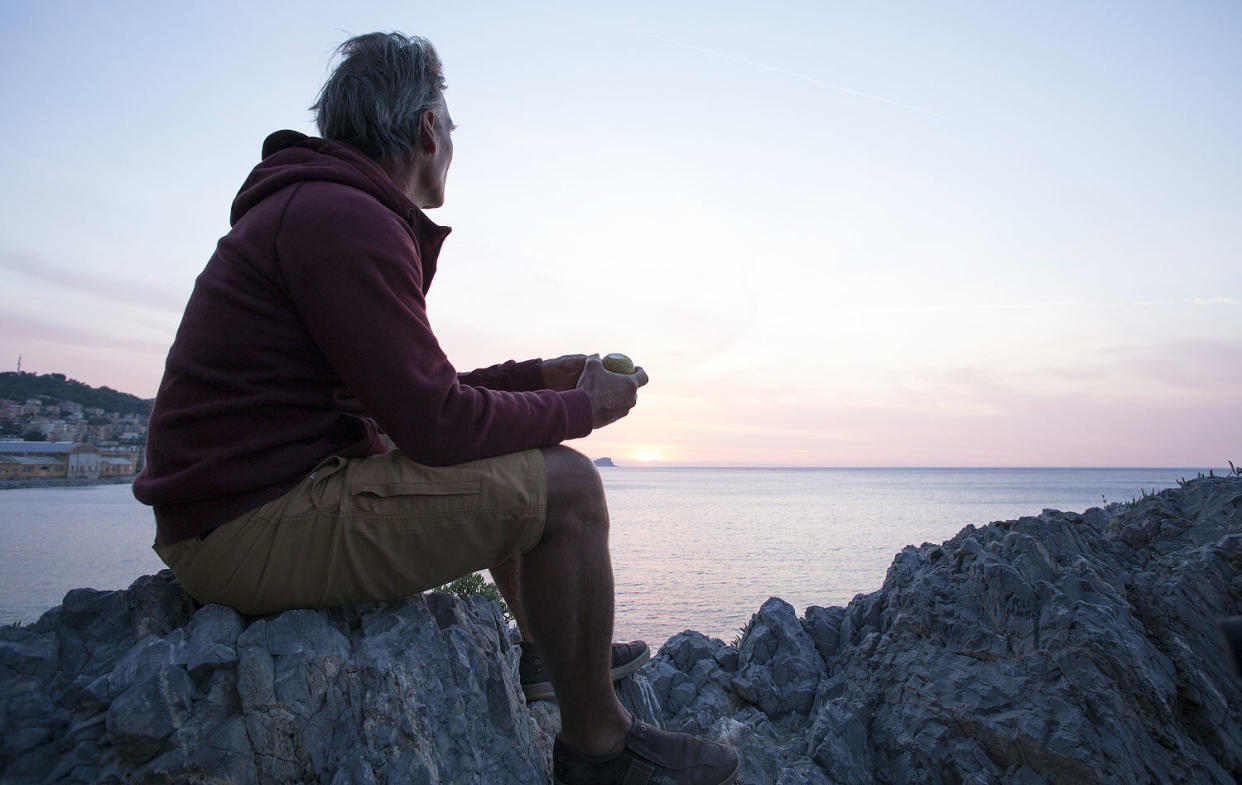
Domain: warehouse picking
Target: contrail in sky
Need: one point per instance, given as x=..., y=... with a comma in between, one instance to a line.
x=797, y=75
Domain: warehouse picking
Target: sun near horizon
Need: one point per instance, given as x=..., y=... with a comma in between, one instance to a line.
x=647, y=453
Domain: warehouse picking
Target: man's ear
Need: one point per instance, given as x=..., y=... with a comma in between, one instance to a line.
x=427, y=139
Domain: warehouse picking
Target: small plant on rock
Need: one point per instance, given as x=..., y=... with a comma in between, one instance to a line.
x=475, y=584
x=741, y=633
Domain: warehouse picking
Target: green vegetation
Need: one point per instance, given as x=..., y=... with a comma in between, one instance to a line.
x=1143, y=495
x=1234, y=471
x=20, y=386
x=474, y=584
x=741, y=633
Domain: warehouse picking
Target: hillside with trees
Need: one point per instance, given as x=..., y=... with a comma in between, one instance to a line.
x=17, y=386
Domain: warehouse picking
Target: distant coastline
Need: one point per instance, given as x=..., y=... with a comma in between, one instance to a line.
x=63, y=482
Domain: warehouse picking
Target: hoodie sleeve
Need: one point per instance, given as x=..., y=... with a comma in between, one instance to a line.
x=506, y=376
x=352, y=271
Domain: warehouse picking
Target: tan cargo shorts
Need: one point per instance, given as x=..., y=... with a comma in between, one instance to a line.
x=367, y=529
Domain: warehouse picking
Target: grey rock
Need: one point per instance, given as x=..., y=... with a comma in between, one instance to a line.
x=838, y=743
x=1058, y=648
x=800, y=772
x=823, y=625
x=147, y=656
x=762, y=758
x=143, y=717
x=93, y=631
x=213, y=633
x=29, y=654
x=779, y=665
x=157, y=605
x=423, y=690
x=693, y=687
x=638, y=697
x=78, y=764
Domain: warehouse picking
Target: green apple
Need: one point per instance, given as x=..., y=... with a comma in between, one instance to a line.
x=618, y=363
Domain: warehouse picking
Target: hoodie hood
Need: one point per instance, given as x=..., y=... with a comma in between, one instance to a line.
x=291, y=157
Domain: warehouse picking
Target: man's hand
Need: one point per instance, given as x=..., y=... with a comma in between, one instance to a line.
x=562, y=373
x=612, y=394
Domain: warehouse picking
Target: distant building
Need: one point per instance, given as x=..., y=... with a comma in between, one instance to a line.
x=76, y=459
x=30, y=467
x=116, y=466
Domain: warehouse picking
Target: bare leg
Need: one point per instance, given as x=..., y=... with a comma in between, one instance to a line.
x=564, y=589
x=505, y=575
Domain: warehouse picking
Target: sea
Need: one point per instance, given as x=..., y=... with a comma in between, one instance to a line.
x=692, y=548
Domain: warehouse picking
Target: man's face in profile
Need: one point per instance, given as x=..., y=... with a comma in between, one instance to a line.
x=434, y=175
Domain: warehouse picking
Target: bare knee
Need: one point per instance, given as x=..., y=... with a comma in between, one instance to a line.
x=575, y=493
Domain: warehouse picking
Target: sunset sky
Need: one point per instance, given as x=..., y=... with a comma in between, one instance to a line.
x=881, y=234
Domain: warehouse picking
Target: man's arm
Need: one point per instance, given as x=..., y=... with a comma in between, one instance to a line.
x=352, y=271
x=511, y=375
x=558, y=373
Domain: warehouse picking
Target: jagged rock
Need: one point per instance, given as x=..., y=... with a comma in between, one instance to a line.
x=778, y=663
x=1061, y=648
x=144, y=717
x=131, y=687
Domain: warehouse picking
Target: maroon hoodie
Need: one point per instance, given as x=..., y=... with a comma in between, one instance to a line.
x=307, y=336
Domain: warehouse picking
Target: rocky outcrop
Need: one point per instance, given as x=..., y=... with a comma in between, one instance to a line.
x=133, y=686
x=1061, y=648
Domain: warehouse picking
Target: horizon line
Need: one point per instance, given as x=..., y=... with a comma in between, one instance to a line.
x=674, y=465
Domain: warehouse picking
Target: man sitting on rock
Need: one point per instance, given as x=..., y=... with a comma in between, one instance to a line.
x=306, y=351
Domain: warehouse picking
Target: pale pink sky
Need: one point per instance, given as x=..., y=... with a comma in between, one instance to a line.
x=882, y=235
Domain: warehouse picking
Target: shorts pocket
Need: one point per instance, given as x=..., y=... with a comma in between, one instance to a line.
x=434, y=488
x=415, y=497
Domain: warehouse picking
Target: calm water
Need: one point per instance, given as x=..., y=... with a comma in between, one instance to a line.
x=692, y=548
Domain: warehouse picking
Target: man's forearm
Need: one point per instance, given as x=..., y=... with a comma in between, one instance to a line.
x=512, y=376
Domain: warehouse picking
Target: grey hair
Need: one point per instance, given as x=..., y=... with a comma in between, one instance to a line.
x=376, y=95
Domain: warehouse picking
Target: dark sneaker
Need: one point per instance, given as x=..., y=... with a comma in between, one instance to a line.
x=626, y=658
x=651, y=757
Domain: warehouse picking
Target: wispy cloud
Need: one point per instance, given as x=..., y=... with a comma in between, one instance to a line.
x=1215, y=301
x=1199, y=364
x=1206, y=368
x=107, y=284
x=1174, y=301
x=796, y=75
x=1052, y=304
x=39, y=331
x=933, y=307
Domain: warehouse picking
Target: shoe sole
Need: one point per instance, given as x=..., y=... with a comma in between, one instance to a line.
x=729, y=780
x=542, y=691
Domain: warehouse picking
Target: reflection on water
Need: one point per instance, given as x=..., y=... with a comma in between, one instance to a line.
x=56, y=539
x=692, y=548
x=704, y=548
